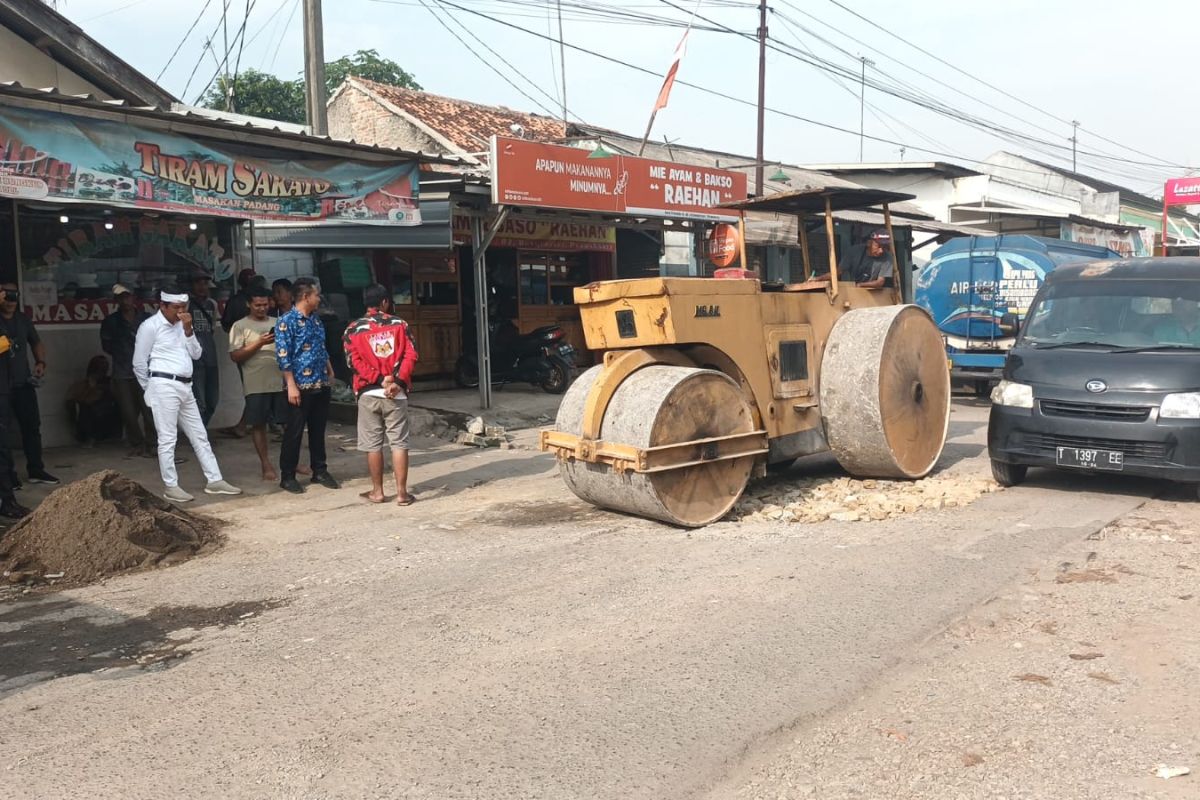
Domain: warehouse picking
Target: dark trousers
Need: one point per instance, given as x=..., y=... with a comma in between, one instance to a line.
x=206, y=385
x=7, y=469
x=313, y=413
x=25, y=411
x=135, y=414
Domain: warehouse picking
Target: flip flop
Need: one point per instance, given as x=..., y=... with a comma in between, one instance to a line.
x=407, y=500
x=367, y=496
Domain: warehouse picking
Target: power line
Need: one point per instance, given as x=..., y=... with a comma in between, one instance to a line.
x=483, y=60
x=283, y=34
x=938, y=107
x=714, y=92
x=509, y=64
x=182, y=41
x=991, y=86
x=240, y=34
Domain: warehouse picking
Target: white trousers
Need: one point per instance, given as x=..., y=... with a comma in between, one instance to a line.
x=174, y=407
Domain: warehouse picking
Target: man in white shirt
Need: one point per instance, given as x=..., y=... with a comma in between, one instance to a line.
x=163, y=353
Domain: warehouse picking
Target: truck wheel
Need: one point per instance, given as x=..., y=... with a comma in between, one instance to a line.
x=1008, y=474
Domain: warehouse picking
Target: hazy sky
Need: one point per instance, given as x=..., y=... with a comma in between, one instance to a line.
x=1101, y=62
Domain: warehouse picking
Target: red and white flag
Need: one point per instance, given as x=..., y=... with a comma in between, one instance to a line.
x=669, y=80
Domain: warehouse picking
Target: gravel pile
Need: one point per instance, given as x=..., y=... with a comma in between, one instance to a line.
x=851, y=500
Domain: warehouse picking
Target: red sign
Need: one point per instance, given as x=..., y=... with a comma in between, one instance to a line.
x=1182, y=192
x=555, y=176
x=724, y=244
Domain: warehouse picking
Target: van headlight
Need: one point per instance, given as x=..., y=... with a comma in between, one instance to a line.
x=1012, y=394
x=1185, y=405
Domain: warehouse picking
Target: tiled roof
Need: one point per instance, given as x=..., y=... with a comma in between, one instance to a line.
x=468, y=126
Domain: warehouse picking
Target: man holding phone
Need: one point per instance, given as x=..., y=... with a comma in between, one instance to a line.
x=252, y=347
x=163, y=353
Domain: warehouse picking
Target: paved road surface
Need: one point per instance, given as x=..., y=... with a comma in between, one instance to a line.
x=499, y=639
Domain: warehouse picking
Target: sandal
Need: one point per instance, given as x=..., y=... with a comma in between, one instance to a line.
x=407, y=500
x=367, y=496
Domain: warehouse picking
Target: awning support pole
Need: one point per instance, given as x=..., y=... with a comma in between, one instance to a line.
x=482, y=235
x=899, y=279
x=802, y=234
x=829, y=235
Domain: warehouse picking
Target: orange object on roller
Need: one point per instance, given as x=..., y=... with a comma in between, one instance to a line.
x=735, y=274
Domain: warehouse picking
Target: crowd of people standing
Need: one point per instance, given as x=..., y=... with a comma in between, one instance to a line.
x=159, y=377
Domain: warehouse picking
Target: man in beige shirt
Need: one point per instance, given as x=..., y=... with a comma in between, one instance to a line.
x=251, y=345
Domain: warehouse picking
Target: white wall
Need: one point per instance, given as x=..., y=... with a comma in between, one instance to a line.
x=68, y=350
x=22, y=62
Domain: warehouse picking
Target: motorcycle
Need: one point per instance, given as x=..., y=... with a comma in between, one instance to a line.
x=540, y=357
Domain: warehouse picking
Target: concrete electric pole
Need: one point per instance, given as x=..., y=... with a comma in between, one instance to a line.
x=762, y=95
x=314, y=68
x=1074, y=143
x=862, y=105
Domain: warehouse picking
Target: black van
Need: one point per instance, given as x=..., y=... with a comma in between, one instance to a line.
x=1105, y=375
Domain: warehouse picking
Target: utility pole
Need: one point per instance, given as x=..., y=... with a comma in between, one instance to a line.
x=314, y=68
x=1074, y=142
x=862, y=105
x=562, y=65
x=762, y=94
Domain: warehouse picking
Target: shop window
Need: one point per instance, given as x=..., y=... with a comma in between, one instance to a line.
x=71, y=257
x=551, y=279
x=437, y=280
x=535, y=291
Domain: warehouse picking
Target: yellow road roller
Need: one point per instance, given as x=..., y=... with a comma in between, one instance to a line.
x=706, y=381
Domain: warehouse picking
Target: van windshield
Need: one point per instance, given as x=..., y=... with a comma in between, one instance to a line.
x=1098, y=313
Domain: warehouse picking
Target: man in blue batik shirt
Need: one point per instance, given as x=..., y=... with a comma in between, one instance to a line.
x=308, y=373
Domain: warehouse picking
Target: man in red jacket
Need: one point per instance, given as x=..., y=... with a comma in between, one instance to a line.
x=381, y=353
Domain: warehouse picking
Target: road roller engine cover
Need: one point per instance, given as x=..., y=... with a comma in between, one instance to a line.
x=706, y=381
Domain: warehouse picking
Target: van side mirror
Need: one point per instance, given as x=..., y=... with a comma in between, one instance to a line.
x=1010, y=323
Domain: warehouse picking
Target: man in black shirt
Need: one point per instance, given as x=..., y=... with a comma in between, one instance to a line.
x=9, y=507
x=23, y=396
x=118, y=332
x=206, y=371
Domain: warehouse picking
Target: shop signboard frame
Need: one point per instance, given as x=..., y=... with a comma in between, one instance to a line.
x=53, y=156
x=553, y=176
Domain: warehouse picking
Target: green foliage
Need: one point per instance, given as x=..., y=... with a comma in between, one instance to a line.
x=260, y=94
x=368, y=64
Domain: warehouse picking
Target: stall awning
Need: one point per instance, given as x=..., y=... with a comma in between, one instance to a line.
x=432, y=234
x=781, y=230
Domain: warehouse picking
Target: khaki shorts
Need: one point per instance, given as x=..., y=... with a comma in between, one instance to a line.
x=381, y=421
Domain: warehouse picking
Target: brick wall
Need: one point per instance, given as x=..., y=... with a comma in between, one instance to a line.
x=355, y=115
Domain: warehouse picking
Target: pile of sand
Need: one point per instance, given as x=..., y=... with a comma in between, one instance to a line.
x=99, y=526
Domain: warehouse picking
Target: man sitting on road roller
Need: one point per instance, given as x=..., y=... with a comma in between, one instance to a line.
x=869, y=265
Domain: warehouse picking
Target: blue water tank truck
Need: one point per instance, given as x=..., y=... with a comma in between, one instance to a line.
x=978, y=289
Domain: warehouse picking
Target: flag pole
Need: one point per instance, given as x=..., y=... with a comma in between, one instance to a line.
x=646, y=138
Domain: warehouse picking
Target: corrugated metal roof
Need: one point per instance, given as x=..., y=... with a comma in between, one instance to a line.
x=216, y=128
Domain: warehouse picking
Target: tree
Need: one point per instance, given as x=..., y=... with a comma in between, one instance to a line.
x=260, y=94
x=368, y=64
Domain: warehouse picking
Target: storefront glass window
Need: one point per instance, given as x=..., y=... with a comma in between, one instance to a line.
x=72, y=256
x=551, y=279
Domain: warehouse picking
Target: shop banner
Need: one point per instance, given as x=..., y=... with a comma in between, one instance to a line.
x=551, y=237
x=1127, y=243
x=1182, y=192
x=555, y=176
x=52, y=156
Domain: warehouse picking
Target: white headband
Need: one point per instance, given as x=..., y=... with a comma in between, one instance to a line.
x=174, y=298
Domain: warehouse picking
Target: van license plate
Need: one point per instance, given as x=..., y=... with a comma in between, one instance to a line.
x=1084, y=458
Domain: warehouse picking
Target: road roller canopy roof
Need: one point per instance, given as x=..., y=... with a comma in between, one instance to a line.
x=812, y=200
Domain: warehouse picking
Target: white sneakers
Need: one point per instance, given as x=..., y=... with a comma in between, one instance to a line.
x=177, y=495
